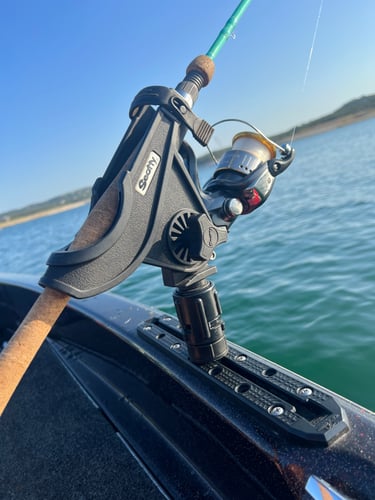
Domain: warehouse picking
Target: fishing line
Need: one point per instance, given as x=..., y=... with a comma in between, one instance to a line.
x=307, y=71
x=227, y=32
x=312, y=44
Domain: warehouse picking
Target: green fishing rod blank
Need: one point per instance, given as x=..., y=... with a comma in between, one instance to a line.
x=227, y=31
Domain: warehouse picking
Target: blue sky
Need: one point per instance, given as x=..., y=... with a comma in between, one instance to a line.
x=70, y=69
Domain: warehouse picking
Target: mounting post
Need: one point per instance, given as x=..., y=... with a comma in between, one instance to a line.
x=199, y=312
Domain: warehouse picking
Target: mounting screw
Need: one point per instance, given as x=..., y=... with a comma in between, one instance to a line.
x=276, y=411
x=177, y=345
x=305, y=391
x=241, y=357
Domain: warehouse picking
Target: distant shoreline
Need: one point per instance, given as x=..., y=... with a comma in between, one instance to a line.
x=333, y=124
x=300, y=132
x=43, y=213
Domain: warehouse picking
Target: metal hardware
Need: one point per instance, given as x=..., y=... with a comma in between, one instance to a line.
x=321, y=490
x=305, y=391
x=276, y=411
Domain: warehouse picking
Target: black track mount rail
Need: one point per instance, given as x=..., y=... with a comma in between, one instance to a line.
x=279, y=398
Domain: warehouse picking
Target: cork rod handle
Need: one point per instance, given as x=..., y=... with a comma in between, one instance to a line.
x=30, y=335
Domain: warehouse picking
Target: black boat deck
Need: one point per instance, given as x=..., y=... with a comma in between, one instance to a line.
x=54, y=443
x=191, y=426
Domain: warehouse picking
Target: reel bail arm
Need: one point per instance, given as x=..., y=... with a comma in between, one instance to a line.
x=277, y=166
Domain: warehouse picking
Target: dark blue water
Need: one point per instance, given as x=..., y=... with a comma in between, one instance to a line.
x=297, y=277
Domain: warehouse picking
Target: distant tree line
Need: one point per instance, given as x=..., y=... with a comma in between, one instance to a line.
x=57, y=201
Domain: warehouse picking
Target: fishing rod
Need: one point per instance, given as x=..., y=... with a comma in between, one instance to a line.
x=228, y=28
x=148, y=208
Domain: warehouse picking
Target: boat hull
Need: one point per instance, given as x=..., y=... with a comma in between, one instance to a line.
x=186, y=433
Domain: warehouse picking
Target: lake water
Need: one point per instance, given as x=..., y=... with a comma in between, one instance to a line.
x=296, y=278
